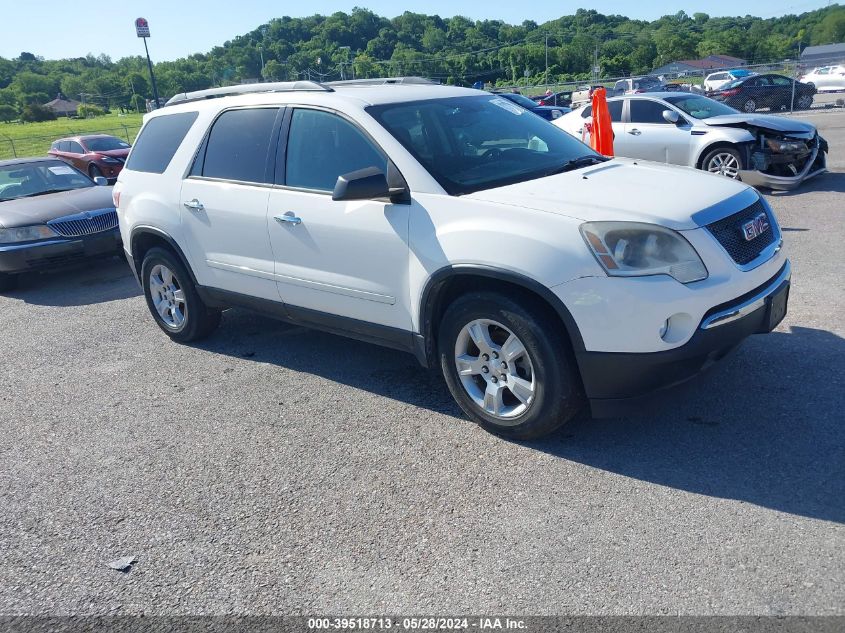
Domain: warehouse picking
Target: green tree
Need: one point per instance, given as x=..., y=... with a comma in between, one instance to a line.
x=8, y=113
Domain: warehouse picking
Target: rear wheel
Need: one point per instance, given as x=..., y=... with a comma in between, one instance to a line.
x=8, y=282
x=508, y=365
x=749, y=106
x=724, y=161
x=173, y=300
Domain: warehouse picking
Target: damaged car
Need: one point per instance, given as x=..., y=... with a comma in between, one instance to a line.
x=768, y=151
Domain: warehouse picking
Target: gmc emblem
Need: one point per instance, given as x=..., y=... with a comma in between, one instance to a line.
x=755, y=227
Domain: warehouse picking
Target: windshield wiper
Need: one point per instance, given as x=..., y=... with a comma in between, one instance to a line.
x=44, y=193
x=577, y=163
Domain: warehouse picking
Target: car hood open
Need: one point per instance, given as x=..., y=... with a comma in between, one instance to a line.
x=622, y=190
x=769, y=122
x=40, y=209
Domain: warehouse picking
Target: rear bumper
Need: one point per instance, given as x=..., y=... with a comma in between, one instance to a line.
x=620, y=383
x=19, y=258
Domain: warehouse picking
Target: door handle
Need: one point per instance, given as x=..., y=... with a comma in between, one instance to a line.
x=194, y=205
x=288, y=218
x=635, y=132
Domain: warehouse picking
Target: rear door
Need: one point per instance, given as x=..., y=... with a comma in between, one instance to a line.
x=224, y=202
x=651, y=137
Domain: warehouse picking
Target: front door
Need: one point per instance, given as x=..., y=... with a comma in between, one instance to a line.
x=651, y=137
x=336, y=258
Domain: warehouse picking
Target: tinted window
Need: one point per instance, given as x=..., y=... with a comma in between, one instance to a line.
x=781, y=81
x=615, y=108
x=525, y=102
x=643, y=111
x=105, y=144
x=322, y=146
x=238, y=145
x=158, y=142
x=64, y=146
x=75, y=148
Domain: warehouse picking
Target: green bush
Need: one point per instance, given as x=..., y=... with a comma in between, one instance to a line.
x=89, y=110
x=8, y=113
x=33, y=113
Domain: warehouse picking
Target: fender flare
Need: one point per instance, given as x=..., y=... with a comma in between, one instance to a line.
x=151, y=230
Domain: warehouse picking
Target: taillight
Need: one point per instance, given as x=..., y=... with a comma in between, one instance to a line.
x=731, y=93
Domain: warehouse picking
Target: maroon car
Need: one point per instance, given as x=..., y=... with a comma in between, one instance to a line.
x=94, y=154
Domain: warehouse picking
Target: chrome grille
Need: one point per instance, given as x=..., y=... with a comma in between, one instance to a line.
x=85, y=223
x=728, y=231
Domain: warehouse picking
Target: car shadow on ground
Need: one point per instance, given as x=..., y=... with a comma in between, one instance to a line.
x=764, y=426
x=829, y=182
x=90, y=282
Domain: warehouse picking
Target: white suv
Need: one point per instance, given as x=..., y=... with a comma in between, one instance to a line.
x=454, y=225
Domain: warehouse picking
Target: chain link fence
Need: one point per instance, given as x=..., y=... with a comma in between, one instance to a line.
x=791, y=94
x=23, y=146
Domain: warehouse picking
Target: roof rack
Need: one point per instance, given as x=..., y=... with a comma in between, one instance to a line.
x=381, y=81
x=241, y=89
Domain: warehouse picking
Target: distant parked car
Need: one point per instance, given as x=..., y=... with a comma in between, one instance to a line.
x=555, y=99
x=714, y=81
x=694, y=131
x=765, y=91
x=826, y=78
x=95, y=154
x=636, y=85
x=547, y=112
x=50, y=215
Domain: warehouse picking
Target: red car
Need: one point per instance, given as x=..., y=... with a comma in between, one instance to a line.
x=94, y=154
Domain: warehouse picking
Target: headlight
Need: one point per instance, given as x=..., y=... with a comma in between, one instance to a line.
x=109, y=159
x=26, y=234
x=633, y=249
x=785, y=147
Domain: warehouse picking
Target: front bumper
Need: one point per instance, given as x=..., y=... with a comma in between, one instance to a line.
x=816, y=164
x=619, y=383
x=19, y=258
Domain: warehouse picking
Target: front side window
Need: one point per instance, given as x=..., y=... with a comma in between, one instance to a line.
x=480, y=142
x=322, y=146
x=645, y=111
x=238, y=145
x=158, y=141
x=76, y=148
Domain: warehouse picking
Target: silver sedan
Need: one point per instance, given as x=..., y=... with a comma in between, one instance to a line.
x=695, y=131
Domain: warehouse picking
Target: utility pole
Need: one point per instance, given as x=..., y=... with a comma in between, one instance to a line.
x=546, y=78
x=261, y=52
x=346, y=61
x=142, y=30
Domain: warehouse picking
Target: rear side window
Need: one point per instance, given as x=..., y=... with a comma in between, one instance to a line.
x=615, y=108
x=158, y=142
x=238, y=145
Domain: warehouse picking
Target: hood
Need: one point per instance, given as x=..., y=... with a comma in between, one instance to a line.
x=115, y=153
x=769, y=122
x=40, y=209
x=622, y=189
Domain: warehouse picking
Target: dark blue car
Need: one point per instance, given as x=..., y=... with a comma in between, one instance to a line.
x=550, y=113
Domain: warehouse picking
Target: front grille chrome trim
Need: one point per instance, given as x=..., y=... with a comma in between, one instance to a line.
x=767, y=252
x=84, y=223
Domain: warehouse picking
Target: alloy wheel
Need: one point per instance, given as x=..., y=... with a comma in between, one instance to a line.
x=168, y=297
x=495, y=370
x=749, y=106
x=724, y=164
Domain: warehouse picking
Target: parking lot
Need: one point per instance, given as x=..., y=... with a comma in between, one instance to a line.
x=272, y=469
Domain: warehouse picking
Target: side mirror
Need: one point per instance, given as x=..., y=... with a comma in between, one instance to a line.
x=670, y=116
x=100, y=181
x=371, y=183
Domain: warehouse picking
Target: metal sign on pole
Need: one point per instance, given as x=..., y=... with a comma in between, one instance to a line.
x=142, y=30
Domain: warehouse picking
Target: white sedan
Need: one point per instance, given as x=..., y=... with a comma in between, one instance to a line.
x=826, y=78
x=696, y=131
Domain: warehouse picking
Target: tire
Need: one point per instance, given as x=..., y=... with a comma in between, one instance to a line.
x=8, y=282
x=181, y=314
x=94, y=171
x=543, y=373
x=724, y=161
x=804, y=102
x=749, y=106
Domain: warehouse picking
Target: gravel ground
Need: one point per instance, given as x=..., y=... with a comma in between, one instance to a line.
x=273, y=469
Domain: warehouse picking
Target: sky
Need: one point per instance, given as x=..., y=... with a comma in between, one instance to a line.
x=179, y=28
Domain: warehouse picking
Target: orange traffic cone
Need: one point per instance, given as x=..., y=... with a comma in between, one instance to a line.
x=601, y=132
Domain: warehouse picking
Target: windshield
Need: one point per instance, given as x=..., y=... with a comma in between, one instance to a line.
x=700, y=107
x=34, y=179
x=472, y=143
x=105, y=144
x=646, y=82
x=525, y=102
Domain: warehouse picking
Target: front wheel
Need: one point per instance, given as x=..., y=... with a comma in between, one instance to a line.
x=804, y=102
x=173, y=300
x=508, y=365
x=724, y=161
x=95, y=172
